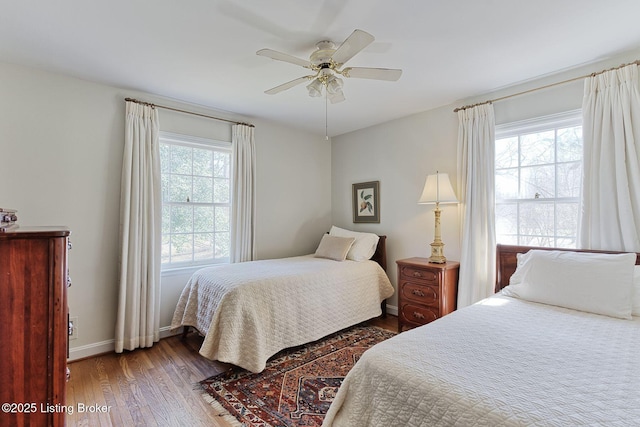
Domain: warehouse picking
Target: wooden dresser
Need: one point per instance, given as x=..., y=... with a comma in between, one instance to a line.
x=34, y=319
x=426, y=291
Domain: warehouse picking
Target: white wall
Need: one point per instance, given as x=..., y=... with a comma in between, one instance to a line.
x=61, y=142
x=402, y=152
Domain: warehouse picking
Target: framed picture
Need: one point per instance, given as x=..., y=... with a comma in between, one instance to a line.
x=366, y=202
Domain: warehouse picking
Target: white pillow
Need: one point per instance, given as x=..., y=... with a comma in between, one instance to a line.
x=333, y=247
x=635, y=307
x=363, y=248
x=592, y=282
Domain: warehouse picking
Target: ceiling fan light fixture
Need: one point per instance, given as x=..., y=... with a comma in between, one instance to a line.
x=334, y=85
x=335, y=98
x=315, y=88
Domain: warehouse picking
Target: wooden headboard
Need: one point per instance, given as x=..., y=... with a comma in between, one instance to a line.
x=506, y=260
x=380, y=255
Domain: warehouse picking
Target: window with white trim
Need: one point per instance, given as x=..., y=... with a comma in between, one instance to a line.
x=196, y=200
x=538, y=171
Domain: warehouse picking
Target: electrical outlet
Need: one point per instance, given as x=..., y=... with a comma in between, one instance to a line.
x=73, y=328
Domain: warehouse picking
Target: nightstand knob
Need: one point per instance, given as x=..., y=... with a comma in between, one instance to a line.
x=418, y=315
x=417, y=274
x=418, y=293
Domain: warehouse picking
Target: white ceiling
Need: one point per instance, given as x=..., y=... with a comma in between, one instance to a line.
x=203, y=51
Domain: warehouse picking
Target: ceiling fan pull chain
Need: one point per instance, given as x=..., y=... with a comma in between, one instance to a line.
x=326, y=116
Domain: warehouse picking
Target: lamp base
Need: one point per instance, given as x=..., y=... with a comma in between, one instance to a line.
x=437, y=253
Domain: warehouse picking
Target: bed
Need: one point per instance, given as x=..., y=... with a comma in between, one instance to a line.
x=249, y=311
x=508, y=361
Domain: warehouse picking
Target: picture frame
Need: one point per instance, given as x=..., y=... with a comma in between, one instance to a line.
x=366, y=202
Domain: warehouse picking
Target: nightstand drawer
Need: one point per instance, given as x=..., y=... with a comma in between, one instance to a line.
x=409, y=272
x=418, y=293
x=426, y=291
x=419, y=315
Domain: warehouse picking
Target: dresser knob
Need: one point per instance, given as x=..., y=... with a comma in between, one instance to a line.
x=417, y=274
x=69, y=245
x=418, y=293
x=68, y=281
x=418, y=315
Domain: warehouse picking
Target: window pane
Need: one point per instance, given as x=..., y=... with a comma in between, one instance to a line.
x=202, y=162
x=536, y=219
x=165, y=157
x=569, y=179
x=506, y=184
x=202, y=190
x=506, y=239
x=570, y=144
x=166, y=243
x=506, y=218
x=166, y=219
x=222, y=218
x=544, y=241
x=538, y=182
x=537, y=148
x=203, y=246
x=221, y=190
x=180, y=188
x=182, y=219
x=567, y=219
x=181, y=160
x=181, y=247
x=203, y=218
x=165, y=181
x=222, y=245
x=221, y=164
x=507, y=153
x=565, y=243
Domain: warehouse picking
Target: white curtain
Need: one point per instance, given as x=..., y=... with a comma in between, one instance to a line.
x=243, y=199
x=138, y=318
x=476, y=177
x=611, y=180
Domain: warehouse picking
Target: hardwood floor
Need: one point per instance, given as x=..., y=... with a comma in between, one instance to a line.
x=150, y=387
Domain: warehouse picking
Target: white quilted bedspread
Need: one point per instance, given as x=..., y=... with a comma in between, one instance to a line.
x=249, y=311
x=501, y=362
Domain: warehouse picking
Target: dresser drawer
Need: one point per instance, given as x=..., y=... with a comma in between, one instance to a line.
x=421, y=294
x=424, y=275
x=416, y=314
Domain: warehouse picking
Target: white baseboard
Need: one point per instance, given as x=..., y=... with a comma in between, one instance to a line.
x=76, y=353
x=108, y=346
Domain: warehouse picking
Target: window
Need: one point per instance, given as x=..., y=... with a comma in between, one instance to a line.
x=538, y=167
x=196, y=200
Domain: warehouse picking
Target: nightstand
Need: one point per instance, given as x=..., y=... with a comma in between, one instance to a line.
x=426, y=291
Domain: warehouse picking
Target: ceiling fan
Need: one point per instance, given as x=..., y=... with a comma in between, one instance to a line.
x=327, y=61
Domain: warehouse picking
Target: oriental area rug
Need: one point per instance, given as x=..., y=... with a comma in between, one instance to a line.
x=297, y=386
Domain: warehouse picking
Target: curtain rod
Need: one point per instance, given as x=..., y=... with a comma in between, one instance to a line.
x=187, y=112
x=636, y=62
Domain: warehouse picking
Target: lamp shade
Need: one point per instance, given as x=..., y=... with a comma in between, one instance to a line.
x=437, y=189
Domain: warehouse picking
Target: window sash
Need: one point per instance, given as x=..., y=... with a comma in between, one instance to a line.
x=193, y=238
x=550, y=210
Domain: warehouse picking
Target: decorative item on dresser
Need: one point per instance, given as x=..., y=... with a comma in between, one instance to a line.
x=34, y=319
x=426, y=291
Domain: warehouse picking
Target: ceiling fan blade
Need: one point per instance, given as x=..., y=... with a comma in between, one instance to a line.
x=357, y=41
x=279, y=56
x=372, y=73
x=288, y=85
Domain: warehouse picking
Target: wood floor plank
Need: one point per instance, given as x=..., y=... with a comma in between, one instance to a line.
x=157, y=386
